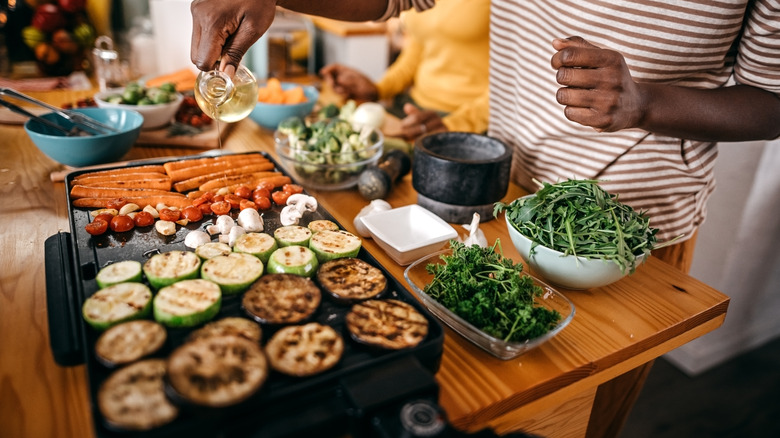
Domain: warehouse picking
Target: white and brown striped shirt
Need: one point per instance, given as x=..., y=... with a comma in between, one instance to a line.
x=692, y=43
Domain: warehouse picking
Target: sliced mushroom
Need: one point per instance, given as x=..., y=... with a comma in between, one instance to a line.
x=250, y=220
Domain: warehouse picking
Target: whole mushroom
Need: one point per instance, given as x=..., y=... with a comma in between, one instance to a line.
x=297, y=205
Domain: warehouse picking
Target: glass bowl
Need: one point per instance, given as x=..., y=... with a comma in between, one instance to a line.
x=327, y=171
x=418, y=277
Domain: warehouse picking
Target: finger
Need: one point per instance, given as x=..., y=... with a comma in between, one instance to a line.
x=579, y=77
x=572, y=41
x=587, y=117
x=576, y=97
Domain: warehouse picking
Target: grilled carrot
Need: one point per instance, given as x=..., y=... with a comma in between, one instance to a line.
x=237, y=179
x=195, y=182
x=142, y=201
x=79, y=191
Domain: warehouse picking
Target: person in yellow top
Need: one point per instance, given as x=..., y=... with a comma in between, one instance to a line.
x=440, y=78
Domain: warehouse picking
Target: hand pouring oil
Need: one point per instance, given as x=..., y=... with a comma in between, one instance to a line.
x=225, y=99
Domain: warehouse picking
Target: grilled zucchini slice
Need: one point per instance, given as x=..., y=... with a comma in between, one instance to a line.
x=281, y=299
x=120, y=272
x=329, y=245
x=351, y=279
x=212, y=249
x=322, y=224
x=187, y=303
x=292, y=235
x=169, y=267
x=233, y=272
x=298, y=260
x=116, y=304
x=260, y=245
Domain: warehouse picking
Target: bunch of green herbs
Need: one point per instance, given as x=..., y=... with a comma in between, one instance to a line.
x=578, y=217
x=487, y=290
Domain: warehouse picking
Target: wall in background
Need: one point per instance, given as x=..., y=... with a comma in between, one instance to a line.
x=736, y=253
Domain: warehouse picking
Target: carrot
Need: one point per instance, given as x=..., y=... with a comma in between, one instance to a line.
x=141, y=201
x=195, y=162
x=78, y=191
x=155, y=184
x=235, y=179
x=276, y=180
x=152, y=168
x=119, y=177
x=294, y=95
x=195, y=182
x=183, y=79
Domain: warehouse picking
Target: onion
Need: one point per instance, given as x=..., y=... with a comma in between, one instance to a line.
x=368, y=114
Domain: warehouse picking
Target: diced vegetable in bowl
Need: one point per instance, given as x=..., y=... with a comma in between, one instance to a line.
x=158, y=105
x=327, y=154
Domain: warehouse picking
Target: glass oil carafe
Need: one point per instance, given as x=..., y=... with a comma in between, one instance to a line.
x=225, y=99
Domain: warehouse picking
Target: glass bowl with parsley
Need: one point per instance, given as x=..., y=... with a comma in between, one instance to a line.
x=488, y=299
x=576, y=235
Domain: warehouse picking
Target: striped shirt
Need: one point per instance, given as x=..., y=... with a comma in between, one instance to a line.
x=691, y=43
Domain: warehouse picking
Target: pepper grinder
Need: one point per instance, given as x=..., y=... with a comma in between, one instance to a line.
x=376, y=181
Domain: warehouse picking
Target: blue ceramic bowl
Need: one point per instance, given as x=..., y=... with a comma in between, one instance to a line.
x=79, y=151
x=269, y=115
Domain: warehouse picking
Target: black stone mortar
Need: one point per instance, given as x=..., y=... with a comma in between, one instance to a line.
x=457, y=174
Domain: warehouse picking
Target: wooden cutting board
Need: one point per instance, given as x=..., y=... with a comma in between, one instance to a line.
x=171, y=136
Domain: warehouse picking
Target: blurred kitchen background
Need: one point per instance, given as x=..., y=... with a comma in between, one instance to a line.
x=735, y=253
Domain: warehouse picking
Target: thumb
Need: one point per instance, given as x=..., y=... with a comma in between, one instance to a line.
x=410, y=109
x=573, y=41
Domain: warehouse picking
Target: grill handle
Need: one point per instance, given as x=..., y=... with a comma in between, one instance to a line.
x=62, y=303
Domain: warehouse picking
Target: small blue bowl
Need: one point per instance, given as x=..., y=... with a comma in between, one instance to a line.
x=80, y=151
x=269, y=115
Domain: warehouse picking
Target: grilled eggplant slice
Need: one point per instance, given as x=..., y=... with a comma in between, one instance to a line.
x=233, y=272
x=217, y=371
x=212, y=249
x=120, y=272
x=169, y=267
x=304, y=350
x=260, y=245
x=133, y=397
x=116, y=304
x=351, y=279
x=187, y=303
x=130, y=341
x=292, y=235
x=389, y=324
x=329, y=245
x=229, y=326
x=294, y=259
x=281, y=299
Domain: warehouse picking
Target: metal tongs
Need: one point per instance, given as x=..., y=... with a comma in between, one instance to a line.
x=85, y=124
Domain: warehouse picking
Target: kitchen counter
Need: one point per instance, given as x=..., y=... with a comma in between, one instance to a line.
x=548, y=391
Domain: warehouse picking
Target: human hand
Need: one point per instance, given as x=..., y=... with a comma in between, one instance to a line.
x=349, y=83
x=420, y=122
x=598, y=88
x=222, y=32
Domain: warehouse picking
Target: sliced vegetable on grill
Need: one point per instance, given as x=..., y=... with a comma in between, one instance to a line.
x=187, y=303
x=129, y=341
x=351, y=279
x=119, y=272
x=260, y=245
x=229, y=326
x=390, y=324
x=212, y=249
x=281, y=299
x=169, y=267
x=298, y=260
x=329, y=245
x=233, y=272
x=292, y=235
x=117, y=303
x=304, y=350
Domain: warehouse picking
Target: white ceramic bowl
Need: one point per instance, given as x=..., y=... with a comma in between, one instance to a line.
x=408, y=233
x=155, y=116
x=567, y=271
x=417, y=276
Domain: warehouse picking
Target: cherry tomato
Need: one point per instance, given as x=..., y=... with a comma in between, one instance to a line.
x=243, y=191
x=292, y=188
x=260, y=193
x=143, y=219
x=218, y=198
x=203, y=199
x=116, y=203
x=121, y=223
x=205, y=208
x=265, y=185
x=246, y=203
x=262, y=202
x=220, y=207
x=104, y=216
x=235, y=201
x=280, y=197
x=170, y=214
x=192, y=214
x=97, y=227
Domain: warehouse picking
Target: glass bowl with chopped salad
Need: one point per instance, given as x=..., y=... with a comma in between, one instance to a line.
x=576, y=235
x=488, y=299
x=326, y=154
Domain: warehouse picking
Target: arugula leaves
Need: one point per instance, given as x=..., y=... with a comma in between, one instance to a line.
x=487, y=290
x=578, y=217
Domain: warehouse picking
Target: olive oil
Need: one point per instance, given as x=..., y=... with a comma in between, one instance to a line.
x=225, y=99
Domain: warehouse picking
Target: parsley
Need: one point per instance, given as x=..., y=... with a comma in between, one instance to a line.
x=577, y=217
x=487, y=290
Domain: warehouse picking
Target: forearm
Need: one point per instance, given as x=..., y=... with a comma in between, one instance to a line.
x=363, y=10
x=737, y=113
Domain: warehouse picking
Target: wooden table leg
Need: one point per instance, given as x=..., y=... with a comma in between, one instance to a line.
x=614, y=400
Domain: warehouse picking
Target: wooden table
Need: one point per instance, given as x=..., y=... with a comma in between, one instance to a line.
x=548, y=391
